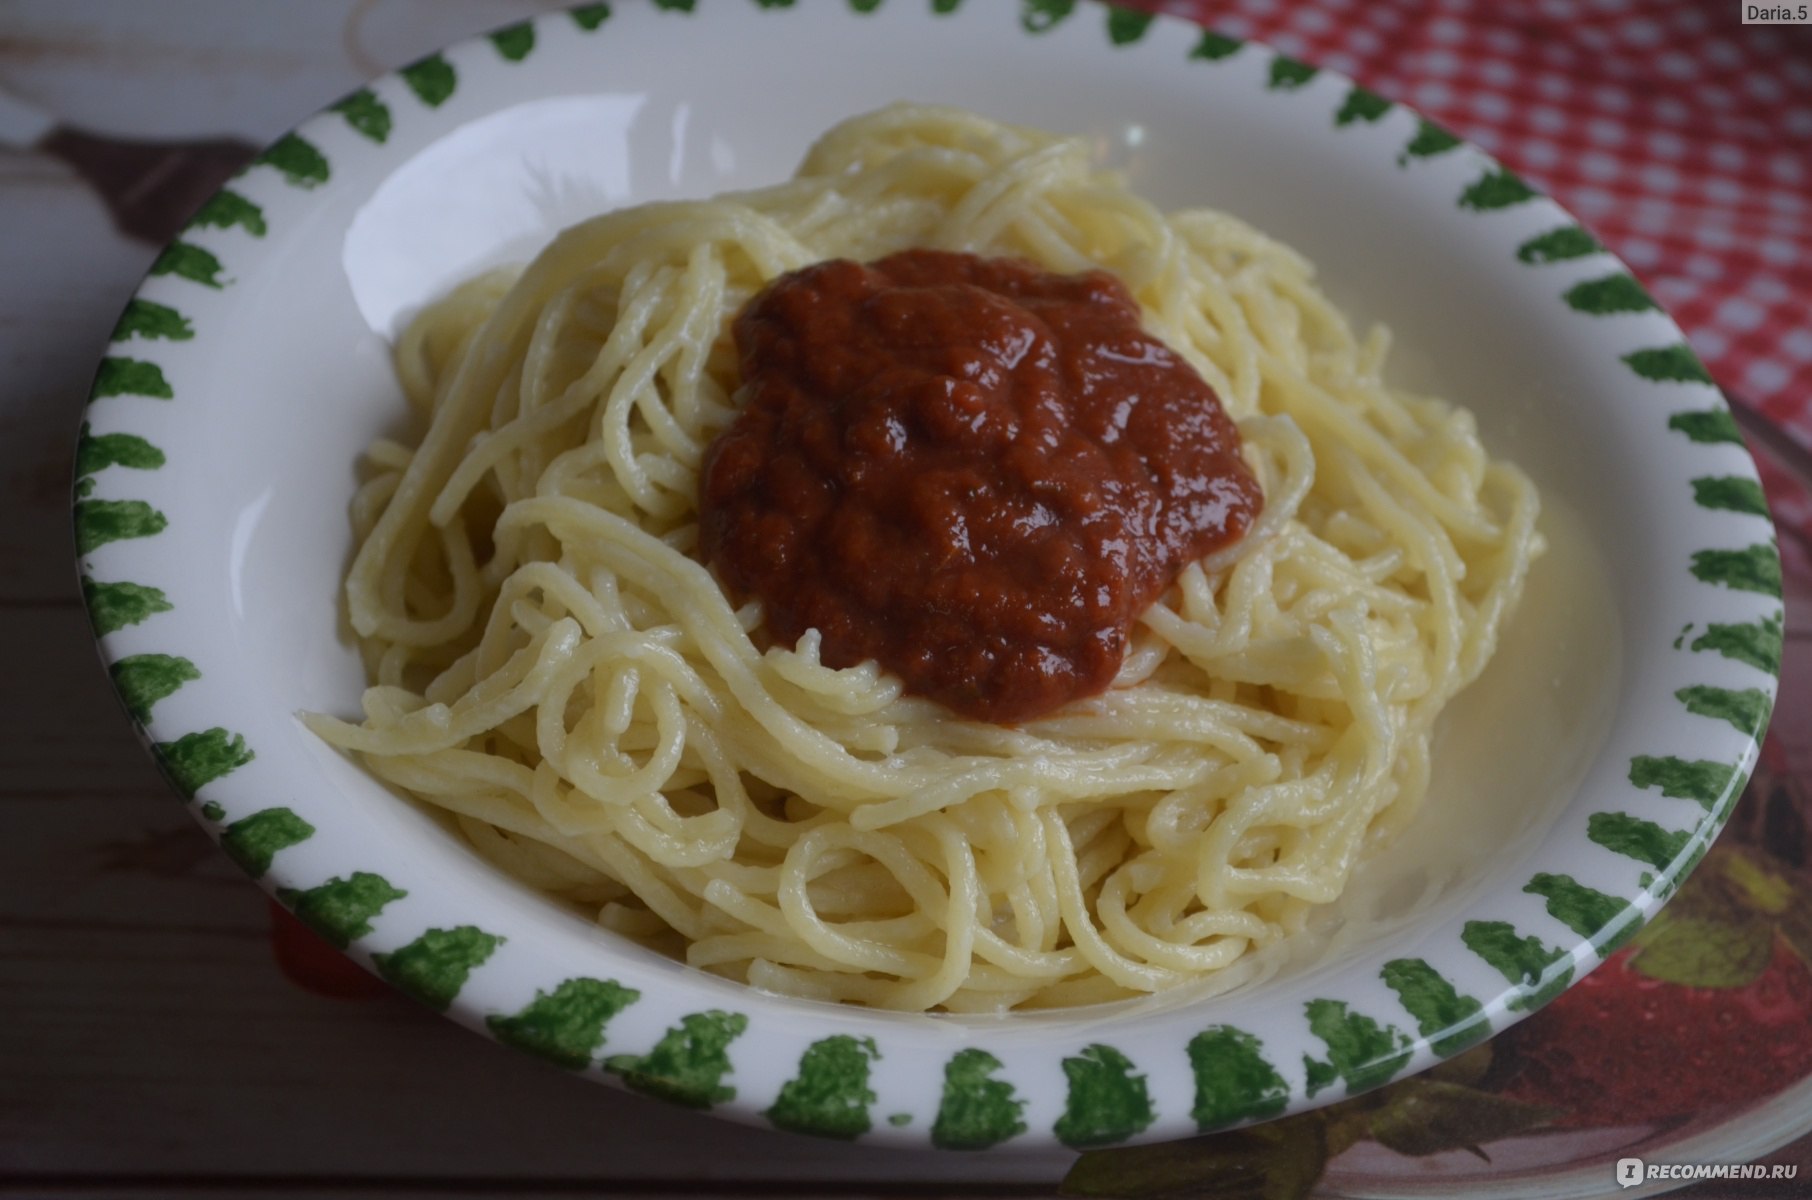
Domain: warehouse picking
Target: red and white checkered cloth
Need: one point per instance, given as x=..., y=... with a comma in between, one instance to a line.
x=1680, y=136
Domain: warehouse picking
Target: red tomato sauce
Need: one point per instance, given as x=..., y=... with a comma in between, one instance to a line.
x=971, y=470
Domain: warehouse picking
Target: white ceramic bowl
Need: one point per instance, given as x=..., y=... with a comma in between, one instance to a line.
x=1577, y=781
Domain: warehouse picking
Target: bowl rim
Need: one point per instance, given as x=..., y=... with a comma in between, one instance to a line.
x=1092, y=1073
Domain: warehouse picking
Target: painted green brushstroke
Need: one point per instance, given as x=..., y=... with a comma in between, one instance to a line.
x=1757, y=643
x=774, y=3
x=688, y=1064
x=1558, y=245
x=341, y=909
x=683, y=6
x=830, y=1096
x=113, y=606
x=1754, y=568
x=1124, y=26
x=865, y=6
x=1636, y=838
x=98, y=522
x=1106, y=1103
x=144, y=679
x=976, y=1111
x=130, y=377
x=1288, y=74
x=433, y=967
x=1215, y=46
x=253, y=841
x=589, y=16
x=1039, y=15
x=1494, y=190
x=1747, y=710
x=1360, y=1051
x=189, y=261
x=213, y=811
x=196, y=759
x=95, y=453
x=226, y=209
x=944, y=8
x=1429, y=141
x=565, y=1026
x=1708, y=426
x=297, y=160
x=1450, y=1020
x=1586, y=911
x=1610, y=295
x=515, y=42
x=1362, y=104
x=431, y=79
x=368, y=116
x=1233, y=1079
x=1521, y=960
x=1700, y=780
x=1732, y=493
x=148, y=319
x=1668, y=364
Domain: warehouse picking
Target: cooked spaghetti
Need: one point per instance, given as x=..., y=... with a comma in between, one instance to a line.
x=555, y=667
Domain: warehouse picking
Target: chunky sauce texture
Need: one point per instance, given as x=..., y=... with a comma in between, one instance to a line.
x=971, y=470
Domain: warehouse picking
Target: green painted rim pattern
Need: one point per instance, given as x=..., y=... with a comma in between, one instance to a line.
x=981, y=1103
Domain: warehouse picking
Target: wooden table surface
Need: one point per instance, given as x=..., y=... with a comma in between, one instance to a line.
x=149, y=1046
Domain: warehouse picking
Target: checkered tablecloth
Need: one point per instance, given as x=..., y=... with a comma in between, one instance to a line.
x=1682, y=137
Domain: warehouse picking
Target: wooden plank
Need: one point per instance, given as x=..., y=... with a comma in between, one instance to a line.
x=166, y=1052
x=181, y=68
x=359, y=1189
x=65, y=733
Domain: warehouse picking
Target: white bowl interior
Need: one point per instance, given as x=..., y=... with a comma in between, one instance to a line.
x=499, y=186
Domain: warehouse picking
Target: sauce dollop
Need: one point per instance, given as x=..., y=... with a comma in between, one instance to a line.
x=976, y=472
